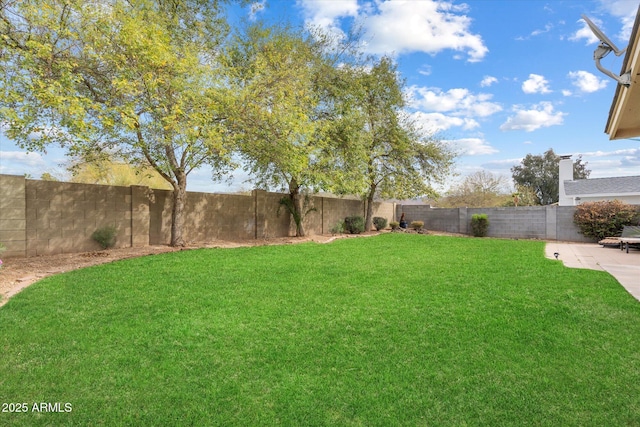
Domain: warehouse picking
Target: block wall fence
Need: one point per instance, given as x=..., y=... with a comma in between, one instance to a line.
x=523, y=222
x=48, y=217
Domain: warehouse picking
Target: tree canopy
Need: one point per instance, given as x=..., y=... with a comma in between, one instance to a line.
x=391, y=155
x=541, y=174
x=480, y=189
x=135, y=79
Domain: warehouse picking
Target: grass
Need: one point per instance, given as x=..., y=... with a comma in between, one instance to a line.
x=388, y=330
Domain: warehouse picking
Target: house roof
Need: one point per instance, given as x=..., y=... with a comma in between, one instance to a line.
x=621, y=185
x=624, y=115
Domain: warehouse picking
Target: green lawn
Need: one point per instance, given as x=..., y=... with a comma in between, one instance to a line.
x=388, y=330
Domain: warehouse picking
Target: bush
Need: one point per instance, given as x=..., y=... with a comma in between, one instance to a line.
x=105, y=236
x=379, y=222
x=354, y=224
x=394, y=225
x=604, y=219
x=417, y=225
x=479, y=224
x=338, y=228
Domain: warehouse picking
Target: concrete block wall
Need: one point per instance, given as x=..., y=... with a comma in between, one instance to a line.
x=524, y=222
x=337, y=209
x=13, y=220
x=527, y=222
x=62, y=216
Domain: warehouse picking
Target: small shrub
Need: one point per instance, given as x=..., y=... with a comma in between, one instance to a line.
x=379, y=222
x=338, y=228
x=479, y=224
x=354, y=224
x=394, y=225
x=417, y=225
x=105, y=236
x=605, y=218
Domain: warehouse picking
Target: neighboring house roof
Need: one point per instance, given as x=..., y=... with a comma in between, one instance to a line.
x=621, y=185
x=624, y=115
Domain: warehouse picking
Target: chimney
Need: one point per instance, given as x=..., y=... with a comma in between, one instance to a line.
x=565, y=174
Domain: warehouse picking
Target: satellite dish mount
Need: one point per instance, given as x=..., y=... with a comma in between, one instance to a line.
x=605, y=47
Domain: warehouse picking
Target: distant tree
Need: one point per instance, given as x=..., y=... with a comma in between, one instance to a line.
x=478, y=190
x=47, y=176
x=137, y=79
x=110, y=172
x=523, y=196
x=541, y=174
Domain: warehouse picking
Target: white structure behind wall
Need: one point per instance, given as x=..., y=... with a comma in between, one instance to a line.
x=574, y=192
x=565, y=174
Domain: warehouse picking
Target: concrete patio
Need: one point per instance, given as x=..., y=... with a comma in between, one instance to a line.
x=625, y=267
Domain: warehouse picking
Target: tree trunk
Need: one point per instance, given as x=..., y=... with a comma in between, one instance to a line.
x=177, y=214
x=297, y=203
x=368, y=223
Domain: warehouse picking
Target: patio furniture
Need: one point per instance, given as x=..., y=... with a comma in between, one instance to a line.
x=630, y=237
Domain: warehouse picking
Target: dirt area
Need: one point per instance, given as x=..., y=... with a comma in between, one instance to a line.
x=18, y=273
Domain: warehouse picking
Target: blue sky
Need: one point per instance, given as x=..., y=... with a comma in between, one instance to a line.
x=497, y=79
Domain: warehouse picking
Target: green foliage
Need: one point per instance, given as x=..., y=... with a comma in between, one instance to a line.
x=139, y=80
x=478, y=190
x=282, y=81
x=605, y=218
x=379, y=222
x=105, y=236
x=479, y=225
x=388, y=154
x=394, y=225
x=542, y=176
x=338, y=228
x=354, y=224
x=417, y=225
x=297, y=213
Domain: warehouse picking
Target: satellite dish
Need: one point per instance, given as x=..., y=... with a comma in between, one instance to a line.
x=605, y=47
x=603, y=38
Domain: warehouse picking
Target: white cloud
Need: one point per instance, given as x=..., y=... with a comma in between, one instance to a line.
x=255, y=8
x=624, y=10
x=547, y=28
x=585, y=33
x=438, y=122
x=488, y=81
x=425, y=70
x=535, y=84
x=16, y=162
x=402, y=26
x=472, y=146
x=566, y=92
x=327, y=14
x=587, y=82
x=541, y=115
x=459, y=101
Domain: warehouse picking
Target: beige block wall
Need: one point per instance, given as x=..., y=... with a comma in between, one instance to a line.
x=47, y=217
x=13, y=220
x=62, y=216
x=337, y=209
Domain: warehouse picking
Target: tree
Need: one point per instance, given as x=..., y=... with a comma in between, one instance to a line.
x=391, y=155
x=478, y=190
x=111, y=172
x=46, y=176
x=541, y=174
x=278, y=74
x=134, y=79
